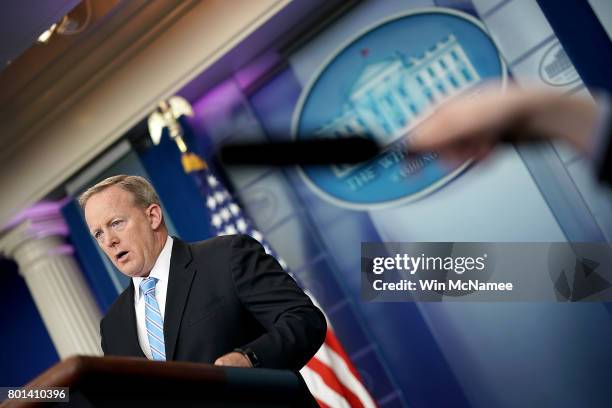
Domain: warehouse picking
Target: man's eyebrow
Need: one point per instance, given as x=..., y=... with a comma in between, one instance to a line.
x=108, y=222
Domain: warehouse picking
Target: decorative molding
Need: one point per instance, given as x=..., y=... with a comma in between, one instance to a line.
x=111, y=91
x=42, y=221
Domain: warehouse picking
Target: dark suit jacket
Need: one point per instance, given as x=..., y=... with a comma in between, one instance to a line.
x=224, y=293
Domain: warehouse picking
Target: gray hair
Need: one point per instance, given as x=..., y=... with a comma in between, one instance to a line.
x=143, y=192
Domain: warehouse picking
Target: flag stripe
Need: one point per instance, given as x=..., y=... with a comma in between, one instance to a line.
x=332, y=341
x=322, y=404
x=346, y=377
x=330, y=378
x=332, y=344
x=321, y=390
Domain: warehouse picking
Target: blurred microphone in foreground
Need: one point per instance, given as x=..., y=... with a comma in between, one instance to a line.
x=348, y=150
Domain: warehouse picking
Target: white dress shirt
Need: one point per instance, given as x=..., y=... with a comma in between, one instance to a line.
x=161, y=271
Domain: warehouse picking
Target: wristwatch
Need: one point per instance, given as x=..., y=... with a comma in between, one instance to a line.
x=250, y=355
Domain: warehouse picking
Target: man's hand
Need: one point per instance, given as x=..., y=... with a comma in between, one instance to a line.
x=467, y=127
x=233, y=359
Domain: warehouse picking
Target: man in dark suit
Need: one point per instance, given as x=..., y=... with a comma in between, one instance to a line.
x=222, y=301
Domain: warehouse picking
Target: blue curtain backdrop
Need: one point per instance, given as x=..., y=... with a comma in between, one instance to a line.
x=25, y=346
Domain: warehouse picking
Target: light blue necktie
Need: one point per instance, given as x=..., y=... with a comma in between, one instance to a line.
x=153, y=320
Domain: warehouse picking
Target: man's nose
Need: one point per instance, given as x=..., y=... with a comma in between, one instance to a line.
x=111, y=239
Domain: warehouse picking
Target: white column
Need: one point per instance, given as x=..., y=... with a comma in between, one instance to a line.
x=35, y=240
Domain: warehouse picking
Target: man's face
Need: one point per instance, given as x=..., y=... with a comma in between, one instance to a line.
x=124, y=231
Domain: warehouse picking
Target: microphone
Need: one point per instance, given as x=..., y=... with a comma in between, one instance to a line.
x=322, y=151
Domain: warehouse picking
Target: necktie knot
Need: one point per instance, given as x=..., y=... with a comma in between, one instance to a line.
x=148, y=285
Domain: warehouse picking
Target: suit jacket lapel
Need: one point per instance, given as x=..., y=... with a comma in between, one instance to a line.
x=180, y=278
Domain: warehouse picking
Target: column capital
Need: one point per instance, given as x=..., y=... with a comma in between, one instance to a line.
x=34, y=238
x=42, y=224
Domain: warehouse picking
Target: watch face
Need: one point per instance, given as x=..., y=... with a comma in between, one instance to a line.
x=253, y=358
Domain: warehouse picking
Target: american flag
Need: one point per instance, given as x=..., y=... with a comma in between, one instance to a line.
x=331, y=377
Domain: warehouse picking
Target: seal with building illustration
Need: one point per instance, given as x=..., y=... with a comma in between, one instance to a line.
x=380, y=85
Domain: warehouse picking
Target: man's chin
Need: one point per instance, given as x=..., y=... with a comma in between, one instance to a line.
x=127, y=271
x=132, y=273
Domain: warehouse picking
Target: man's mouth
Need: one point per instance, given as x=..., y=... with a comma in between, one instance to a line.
x=121, y=256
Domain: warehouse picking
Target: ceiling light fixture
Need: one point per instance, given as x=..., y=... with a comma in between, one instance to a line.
x=44, y=37
x=68, y=25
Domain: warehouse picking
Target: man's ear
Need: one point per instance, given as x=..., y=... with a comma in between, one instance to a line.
x=155, y=215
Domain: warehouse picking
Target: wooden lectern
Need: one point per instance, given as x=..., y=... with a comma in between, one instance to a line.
x=137, y=382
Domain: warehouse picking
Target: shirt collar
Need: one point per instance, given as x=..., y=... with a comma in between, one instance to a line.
x=160, y=270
